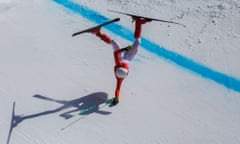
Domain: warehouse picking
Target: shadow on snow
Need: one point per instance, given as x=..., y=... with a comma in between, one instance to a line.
x=79, y=104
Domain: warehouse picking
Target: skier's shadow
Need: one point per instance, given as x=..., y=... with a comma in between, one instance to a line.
x=83, y=103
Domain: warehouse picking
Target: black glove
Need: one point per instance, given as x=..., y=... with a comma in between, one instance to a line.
x=127, y=48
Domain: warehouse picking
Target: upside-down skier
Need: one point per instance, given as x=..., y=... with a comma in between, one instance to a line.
x=122, y=56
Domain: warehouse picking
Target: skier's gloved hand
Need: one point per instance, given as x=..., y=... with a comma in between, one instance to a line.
x=127, y=48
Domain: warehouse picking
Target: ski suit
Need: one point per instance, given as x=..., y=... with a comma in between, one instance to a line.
x=122, y=57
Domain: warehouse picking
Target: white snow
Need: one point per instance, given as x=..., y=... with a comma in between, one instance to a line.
x=161, y=103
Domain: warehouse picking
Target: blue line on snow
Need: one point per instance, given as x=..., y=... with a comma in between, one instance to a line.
x=220, y=78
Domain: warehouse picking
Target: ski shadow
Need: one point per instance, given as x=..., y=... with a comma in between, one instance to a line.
x=79, y=104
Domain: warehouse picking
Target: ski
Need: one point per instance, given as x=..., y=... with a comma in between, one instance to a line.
x=154, y=19
x=96, y=27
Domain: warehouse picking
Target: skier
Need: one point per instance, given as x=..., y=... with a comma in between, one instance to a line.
x=122, y=56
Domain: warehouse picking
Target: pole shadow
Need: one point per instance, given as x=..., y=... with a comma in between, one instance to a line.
x=11, y=124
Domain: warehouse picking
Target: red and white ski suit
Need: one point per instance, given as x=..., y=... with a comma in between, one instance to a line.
x=122, y=58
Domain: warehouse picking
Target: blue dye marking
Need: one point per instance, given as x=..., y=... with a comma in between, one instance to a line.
x=220, y=78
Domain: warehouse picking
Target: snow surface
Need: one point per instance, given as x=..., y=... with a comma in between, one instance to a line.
x=47, y=73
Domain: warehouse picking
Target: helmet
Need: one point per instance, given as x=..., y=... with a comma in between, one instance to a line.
x=121, y=72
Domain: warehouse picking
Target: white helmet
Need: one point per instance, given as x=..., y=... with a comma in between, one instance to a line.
x=121, y=72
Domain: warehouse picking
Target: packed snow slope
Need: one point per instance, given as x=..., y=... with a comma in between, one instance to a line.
x=45, y=74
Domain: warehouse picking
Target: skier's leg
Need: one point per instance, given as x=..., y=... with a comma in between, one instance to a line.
x=129, y=55
x=138, y=26
x=102, y=36
x=138, y=29
x=115, y=46
x=117, y=56
x=137, y=35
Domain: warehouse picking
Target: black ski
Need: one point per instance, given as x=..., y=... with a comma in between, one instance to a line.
x=96, y=27
x=154, y=19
